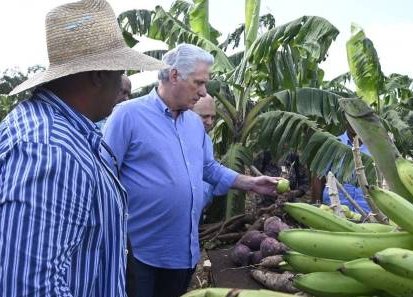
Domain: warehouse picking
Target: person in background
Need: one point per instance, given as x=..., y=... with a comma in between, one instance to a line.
x=205, y=108
x=160, y=145
x=62, y=210
x=355, y=192
x=123, y=95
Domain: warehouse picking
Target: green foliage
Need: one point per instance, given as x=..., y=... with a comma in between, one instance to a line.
x=364, y=66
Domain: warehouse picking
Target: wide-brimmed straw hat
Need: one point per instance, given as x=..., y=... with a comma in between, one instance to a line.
x=85, y=36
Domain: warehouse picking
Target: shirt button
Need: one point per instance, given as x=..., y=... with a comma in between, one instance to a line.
x=126, y=252
x=126, y=215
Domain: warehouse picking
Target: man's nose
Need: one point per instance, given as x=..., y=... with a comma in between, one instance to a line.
x=202, y=91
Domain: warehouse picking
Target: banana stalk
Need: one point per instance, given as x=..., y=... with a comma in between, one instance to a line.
x=368, y=126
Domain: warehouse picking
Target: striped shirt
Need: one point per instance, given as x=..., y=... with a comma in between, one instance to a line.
x=62, y=211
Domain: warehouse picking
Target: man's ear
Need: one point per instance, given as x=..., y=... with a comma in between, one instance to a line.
x=173, y=76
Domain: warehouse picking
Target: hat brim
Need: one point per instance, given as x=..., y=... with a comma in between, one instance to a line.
x=119, y=59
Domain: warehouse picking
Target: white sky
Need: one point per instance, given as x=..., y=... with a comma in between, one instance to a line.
x=389, y=24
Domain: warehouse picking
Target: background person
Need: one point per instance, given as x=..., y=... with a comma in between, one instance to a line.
x=62, y=210
x=160, y=146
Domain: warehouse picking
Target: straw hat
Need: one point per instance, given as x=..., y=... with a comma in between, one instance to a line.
x=85, y=36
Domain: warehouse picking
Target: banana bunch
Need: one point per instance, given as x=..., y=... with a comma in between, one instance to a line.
x=337, y=257
x=224, y=292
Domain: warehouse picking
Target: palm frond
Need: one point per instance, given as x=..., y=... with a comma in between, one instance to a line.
x=324, y=152
x=237, y=157
x=364, y=65
x=172, y=31
x=311, y=36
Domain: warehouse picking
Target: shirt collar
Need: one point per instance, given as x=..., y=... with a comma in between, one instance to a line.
x=161, y=104
x=75, y=118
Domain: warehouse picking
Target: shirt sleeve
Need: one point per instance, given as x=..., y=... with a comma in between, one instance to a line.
x=219, y=176
x=45, y=201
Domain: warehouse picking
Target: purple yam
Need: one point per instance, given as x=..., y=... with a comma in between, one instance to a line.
x=240, y=255
x=271, y=247
x=253, y=239
x=256, y=257
x=273, y=226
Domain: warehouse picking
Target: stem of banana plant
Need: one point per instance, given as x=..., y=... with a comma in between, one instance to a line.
x=362, y=180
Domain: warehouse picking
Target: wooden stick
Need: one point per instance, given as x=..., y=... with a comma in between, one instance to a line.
x=333, y=193
x=351, y=200
x=362, y=180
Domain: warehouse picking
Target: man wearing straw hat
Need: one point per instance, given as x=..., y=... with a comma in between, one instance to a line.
x=62, y=210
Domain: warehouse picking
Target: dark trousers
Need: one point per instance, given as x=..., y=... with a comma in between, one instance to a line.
x=131, y=280
x=158, y=282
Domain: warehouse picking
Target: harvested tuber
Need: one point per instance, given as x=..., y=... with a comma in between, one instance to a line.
x=240, y=255
x=253, y=239
x=273, y=226
x=275, y=281
x=256, y=257
x=272, y=262
x=270, y=247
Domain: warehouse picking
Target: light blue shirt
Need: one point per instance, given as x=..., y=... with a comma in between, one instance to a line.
x=162, y=165
x=355, y=192
x=62, y=211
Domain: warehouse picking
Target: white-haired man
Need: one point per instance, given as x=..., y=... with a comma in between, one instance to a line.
x=62, y=210
x=160, y=146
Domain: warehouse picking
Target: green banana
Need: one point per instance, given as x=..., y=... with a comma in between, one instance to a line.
x=394, y=206
x=331, y=284
x=374, y=276
x=319, y=219
x=343, y=245
x=405, y=170
x=224, y=292
x=397, y=261
x=306, y=264
x=377, y=227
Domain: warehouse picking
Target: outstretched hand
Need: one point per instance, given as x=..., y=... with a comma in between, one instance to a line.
x=265, y=185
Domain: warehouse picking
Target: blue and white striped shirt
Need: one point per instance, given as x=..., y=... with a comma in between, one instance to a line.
x=62, y=211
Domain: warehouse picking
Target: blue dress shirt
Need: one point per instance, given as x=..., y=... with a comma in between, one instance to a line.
x=62, y=211
x=163, y=162
x=355, y=192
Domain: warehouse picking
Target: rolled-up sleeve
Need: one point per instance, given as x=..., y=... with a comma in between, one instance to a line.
x=216, y=174
x=45, y=201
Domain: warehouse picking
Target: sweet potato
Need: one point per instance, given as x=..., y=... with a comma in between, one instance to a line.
x=240, y=254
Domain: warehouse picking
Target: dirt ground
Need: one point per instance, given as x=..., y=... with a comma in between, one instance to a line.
x=215, y=269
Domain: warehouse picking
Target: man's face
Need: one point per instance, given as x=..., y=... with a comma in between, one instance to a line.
x=125, y=90
x=189, y=91
x=205, y=108
x=111, y=85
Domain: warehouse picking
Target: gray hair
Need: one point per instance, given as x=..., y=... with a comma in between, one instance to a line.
x=184, y=58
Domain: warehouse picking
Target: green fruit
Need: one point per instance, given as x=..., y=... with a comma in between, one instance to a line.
x=283, y=186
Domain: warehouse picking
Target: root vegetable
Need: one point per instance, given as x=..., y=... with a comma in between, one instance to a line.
x=253, y=239
x=256, y=257
x=271, y=262
x=240, y=254
x=270, y=247
x=273, y=226
x=275, y=281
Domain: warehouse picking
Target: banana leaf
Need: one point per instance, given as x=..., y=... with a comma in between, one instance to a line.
x=252, y=14
x=364, y=66
x=370, y=129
